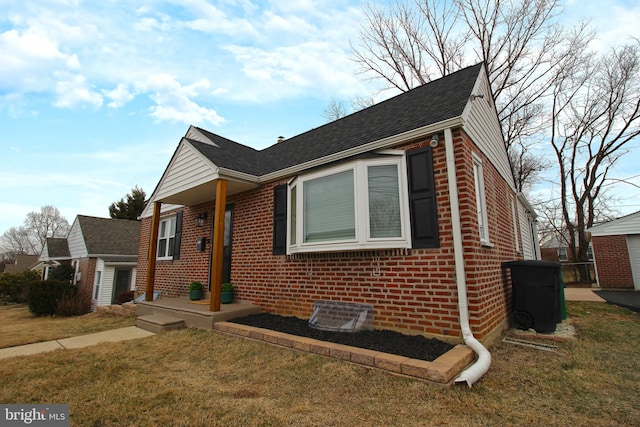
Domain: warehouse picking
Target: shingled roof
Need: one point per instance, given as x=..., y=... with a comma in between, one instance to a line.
x=106, y=236
x=57, y=247
x=425, y=105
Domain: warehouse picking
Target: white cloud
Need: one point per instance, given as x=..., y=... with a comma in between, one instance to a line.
x=174, y=102
x=616, y=27
x=25, y=58
x=212, y=19
x=119, y=96
x=312, y=67
x=74, y=91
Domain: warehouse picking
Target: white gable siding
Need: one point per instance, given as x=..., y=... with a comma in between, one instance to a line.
x=44, y=255
x=187, y=170
x=629, y=224
x=77, y=245
x=482, y=125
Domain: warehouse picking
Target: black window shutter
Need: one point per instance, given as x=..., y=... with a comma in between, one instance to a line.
x=422, y=199
x=178, y=236
x=280, y=220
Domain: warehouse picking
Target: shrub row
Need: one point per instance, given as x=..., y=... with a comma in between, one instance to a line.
x=44, y=296
x=14, y=287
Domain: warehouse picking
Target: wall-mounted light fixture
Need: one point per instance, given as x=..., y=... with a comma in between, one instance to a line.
x=200, y=220
x=434, y=140
x=473, y=97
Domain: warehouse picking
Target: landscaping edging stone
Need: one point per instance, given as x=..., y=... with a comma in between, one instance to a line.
x=442, y=370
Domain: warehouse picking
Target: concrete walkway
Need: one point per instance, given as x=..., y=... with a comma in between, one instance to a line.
x=122, y=334
x=581, y=294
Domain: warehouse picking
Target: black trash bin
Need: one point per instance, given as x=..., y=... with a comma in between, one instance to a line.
x=537, y=294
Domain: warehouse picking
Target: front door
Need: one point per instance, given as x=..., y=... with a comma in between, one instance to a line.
x=228, y=232
x=121, y=282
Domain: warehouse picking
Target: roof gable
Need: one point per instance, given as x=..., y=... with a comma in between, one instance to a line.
x=56, y=248
x=426, y=105
x=203, y=157
x=109, y=236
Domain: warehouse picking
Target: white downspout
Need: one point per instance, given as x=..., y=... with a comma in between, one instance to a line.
x=481, y=366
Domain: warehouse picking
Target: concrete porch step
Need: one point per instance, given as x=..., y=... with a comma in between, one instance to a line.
x=159, y=322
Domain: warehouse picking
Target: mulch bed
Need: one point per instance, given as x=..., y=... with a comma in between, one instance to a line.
x=413, y=346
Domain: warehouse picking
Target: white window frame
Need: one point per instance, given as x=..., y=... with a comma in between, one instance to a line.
x=481, y=201
x=168, y=237
x=563, y=254
x=363, y=239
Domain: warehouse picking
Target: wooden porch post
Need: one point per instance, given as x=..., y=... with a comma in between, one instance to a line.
x=153, y=251
x=218, y=245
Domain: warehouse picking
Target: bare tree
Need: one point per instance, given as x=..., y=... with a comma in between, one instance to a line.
x=335, y=110
x=31, y=237
x=595, y=114
x=520, y=42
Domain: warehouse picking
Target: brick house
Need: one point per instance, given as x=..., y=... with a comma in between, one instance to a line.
x=616, y=251
x=405, y=205
x=103, y=253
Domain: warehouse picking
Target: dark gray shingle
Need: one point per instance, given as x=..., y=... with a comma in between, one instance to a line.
x=110, y=236
x=431, y=103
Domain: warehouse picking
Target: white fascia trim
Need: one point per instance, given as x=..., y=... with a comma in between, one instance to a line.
x=530, y=210
x=372, y=146
x=237, y=176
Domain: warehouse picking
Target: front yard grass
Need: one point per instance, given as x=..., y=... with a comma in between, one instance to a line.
x=18, y=326
x=202, y=378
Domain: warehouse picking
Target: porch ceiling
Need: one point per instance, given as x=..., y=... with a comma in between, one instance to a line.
x=205, y=192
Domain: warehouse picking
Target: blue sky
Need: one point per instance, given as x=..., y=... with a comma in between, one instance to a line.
x=95, y=96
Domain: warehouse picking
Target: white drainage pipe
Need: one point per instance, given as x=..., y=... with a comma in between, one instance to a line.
x=481, y=366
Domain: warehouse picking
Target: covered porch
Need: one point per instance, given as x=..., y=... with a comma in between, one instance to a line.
x=204, y=183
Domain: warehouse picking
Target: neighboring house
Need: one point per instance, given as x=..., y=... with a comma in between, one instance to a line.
x=22, y=263
x=402, y=205
x=555, y=248
x=54, y=253
x=103, y=252
x=616, y=250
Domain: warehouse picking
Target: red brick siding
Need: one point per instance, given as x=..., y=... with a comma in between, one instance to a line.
x=413, y=291
x=612, y=261
x=173, y=277
x=87, y=269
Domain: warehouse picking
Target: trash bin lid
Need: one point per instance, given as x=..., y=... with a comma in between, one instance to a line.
x=531, y=263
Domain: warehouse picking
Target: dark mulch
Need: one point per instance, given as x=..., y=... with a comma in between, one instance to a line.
x=413, y=346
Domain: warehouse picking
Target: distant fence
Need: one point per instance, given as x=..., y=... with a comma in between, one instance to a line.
x=578, y=273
